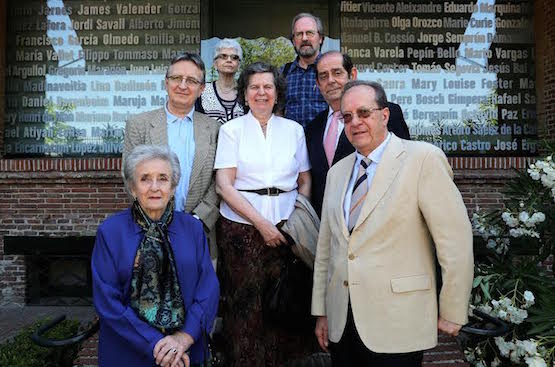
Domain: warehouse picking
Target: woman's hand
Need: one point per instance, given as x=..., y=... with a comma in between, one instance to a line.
x=170, y=350
x=184, y=361
x=272, y=236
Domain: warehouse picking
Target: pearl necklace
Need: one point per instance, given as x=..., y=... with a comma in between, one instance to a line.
x=224, y=90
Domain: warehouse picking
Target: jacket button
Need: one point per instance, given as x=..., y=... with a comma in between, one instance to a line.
x=351, y=257
x=345, y=283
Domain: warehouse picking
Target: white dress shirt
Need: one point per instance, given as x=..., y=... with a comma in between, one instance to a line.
x=271, y=161
x=375, y=157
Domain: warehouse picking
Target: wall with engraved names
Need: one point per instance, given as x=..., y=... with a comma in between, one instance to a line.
x=76, y=70
x=462, y=71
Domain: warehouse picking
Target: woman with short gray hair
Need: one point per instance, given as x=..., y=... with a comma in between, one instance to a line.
x=154, y=287
x=219, y=99
x=146, y=153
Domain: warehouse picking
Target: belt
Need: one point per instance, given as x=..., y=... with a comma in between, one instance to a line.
x=270, y=191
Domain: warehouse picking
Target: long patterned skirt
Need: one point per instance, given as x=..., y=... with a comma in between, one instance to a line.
x=245, y=267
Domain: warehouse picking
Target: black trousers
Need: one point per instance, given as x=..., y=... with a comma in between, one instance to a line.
x=351, y=351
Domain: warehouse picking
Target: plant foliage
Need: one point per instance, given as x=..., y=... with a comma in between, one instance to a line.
x=22, y=352
x=510, y=283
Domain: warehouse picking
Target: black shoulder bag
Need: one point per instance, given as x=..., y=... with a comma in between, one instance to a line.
x=286, y=300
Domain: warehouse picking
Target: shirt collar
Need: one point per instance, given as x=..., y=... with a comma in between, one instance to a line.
x=376, y=154
x=296, y=61
x=171, y=118
x=251, y=117
x=330, y=111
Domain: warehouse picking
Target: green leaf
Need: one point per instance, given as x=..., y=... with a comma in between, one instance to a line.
x=486, y=291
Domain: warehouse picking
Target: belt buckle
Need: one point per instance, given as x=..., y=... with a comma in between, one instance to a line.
x=272, y=191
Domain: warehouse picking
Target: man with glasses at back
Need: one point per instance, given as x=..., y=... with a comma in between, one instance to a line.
x=191, y=135
x=303, y=98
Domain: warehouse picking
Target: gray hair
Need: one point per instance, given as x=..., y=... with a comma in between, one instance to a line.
x=381, y=98
x=143, y=153
x=318, y=21
x=228, y=43
x=191, y=57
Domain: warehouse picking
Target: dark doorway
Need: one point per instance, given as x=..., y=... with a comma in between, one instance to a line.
x=265, y=18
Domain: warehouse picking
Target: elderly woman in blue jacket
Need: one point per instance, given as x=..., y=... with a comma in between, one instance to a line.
x=154, y=286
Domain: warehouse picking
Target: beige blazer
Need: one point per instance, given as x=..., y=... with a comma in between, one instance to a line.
x=386, y=266
x=151, y=128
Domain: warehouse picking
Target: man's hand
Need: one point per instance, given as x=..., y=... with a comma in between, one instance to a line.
x=448, y=327
x=321, y=332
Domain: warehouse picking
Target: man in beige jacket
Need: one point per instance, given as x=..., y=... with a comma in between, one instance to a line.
x=191, y=135
x=389, y=210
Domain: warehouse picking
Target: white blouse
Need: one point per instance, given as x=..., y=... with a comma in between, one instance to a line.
x=261, y=162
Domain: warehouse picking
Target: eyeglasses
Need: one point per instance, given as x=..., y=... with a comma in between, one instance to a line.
x=309, y=35
x=362, y=113
x=226, y=56
x=189, y=81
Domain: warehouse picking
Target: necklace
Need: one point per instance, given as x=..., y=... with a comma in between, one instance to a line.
x=226, y=90
x=264, y=128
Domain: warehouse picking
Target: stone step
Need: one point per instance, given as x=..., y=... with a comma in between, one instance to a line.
x=446, y=354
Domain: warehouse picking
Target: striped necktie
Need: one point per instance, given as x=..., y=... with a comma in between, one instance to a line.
x=359, y=193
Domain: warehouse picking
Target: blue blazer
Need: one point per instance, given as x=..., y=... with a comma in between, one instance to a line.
x=126, y=340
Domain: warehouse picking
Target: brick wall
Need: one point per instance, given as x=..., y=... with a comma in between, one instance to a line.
x=52, y=198
x=70, y=197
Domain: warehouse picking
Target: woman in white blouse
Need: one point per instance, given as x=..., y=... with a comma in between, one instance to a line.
x=262, y=165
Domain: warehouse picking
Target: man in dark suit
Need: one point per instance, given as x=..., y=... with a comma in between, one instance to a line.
x=325, y=138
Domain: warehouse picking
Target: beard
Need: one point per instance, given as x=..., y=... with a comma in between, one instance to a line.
x=306, y=51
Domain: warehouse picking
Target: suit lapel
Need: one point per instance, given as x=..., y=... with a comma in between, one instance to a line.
x=320, y=142
x=387, y=170
x=343, y=149
x=202, y=143
x=159, y=128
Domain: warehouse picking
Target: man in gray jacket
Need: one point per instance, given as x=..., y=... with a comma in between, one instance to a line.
x=191, y=135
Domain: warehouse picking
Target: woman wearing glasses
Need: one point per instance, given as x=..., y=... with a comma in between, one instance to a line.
x=219, y=99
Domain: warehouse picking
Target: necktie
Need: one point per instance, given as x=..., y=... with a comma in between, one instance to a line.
x=359, y=193
x=331, y=138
